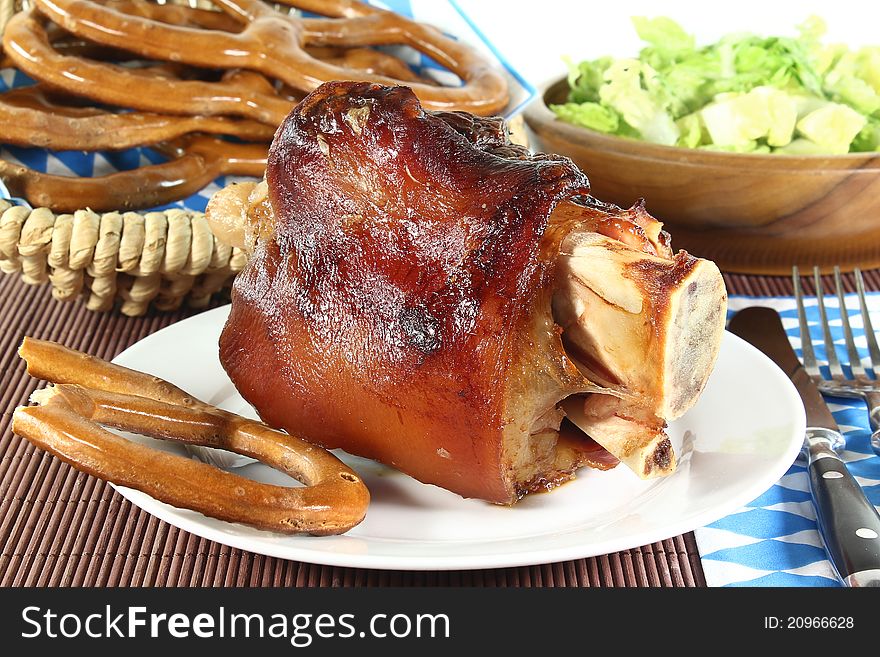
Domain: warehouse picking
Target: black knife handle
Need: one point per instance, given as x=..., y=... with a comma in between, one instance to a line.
x=848, y=522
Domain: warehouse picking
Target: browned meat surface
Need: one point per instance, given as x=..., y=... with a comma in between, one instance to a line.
x=424, y=293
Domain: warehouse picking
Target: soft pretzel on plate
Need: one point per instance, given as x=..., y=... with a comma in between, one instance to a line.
x=89, y=392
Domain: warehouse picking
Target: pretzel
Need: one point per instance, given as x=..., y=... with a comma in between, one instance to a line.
x=275, y=45
x=27, y=42
x=33, y=116
x=372, y=62
x=297, y=53
x=174, y=14
x=197, y=161
x=167, y=13
x=89, y=393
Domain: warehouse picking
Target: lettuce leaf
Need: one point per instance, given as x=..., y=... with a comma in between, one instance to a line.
x=867, y=66
x=764, y=113
x=833, y=127
x=632, y=90
x=585, y=78
x=667, y=40
x=745, y=92
x=691, y=131
x=589, y=115
x=868, y=139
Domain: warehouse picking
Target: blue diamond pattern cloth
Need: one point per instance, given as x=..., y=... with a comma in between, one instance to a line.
x=448, y=16
x=773, y=541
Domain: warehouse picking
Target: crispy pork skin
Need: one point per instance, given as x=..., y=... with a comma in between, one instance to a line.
x=424, y=293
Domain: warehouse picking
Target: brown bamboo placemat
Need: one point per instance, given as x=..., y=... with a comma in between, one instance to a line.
x=59, y=527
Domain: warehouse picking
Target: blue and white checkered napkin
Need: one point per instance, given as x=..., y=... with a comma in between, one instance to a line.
x=773, y=541
x=447, y=16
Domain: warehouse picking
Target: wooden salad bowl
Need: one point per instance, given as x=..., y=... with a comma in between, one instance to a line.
x=750, y=213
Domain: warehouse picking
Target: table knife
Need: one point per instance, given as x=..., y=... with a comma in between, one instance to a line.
x=848, y=522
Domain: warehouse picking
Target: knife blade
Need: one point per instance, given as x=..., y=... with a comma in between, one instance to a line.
x=848, y=522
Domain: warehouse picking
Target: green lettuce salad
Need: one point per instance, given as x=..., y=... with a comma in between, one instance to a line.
x=745, y=93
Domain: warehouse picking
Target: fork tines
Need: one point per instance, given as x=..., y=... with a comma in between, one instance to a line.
x=860, y=374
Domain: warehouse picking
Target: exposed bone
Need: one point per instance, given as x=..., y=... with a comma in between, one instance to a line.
x=640, y=443
x=649, y=325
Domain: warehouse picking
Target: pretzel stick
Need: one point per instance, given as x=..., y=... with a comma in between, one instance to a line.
x=91, y=392
x=484, y=91
x=30, y=117
x=199, y=160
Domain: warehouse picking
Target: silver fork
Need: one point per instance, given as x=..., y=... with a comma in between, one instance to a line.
x=865, y=382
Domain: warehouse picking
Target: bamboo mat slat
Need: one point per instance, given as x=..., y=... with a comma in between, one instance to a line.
x=59, y=527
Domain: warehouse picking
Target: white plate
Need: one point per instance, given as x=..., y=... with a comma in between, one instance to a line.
x=734, y=444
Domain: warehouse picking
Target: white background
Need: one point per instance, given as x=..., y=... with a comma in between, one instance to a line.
x=534, y=34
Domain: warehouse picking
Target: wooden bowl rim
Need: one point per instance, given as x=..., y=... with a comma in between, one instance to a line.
x=541, y=118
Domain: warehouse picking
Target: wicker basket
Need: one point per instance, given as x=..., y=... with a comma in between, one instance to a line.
x=127, y=261
x=158, y=257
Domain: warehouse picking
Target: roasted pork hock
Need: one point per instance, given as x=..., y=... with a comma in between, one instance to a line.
x=422, y=292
